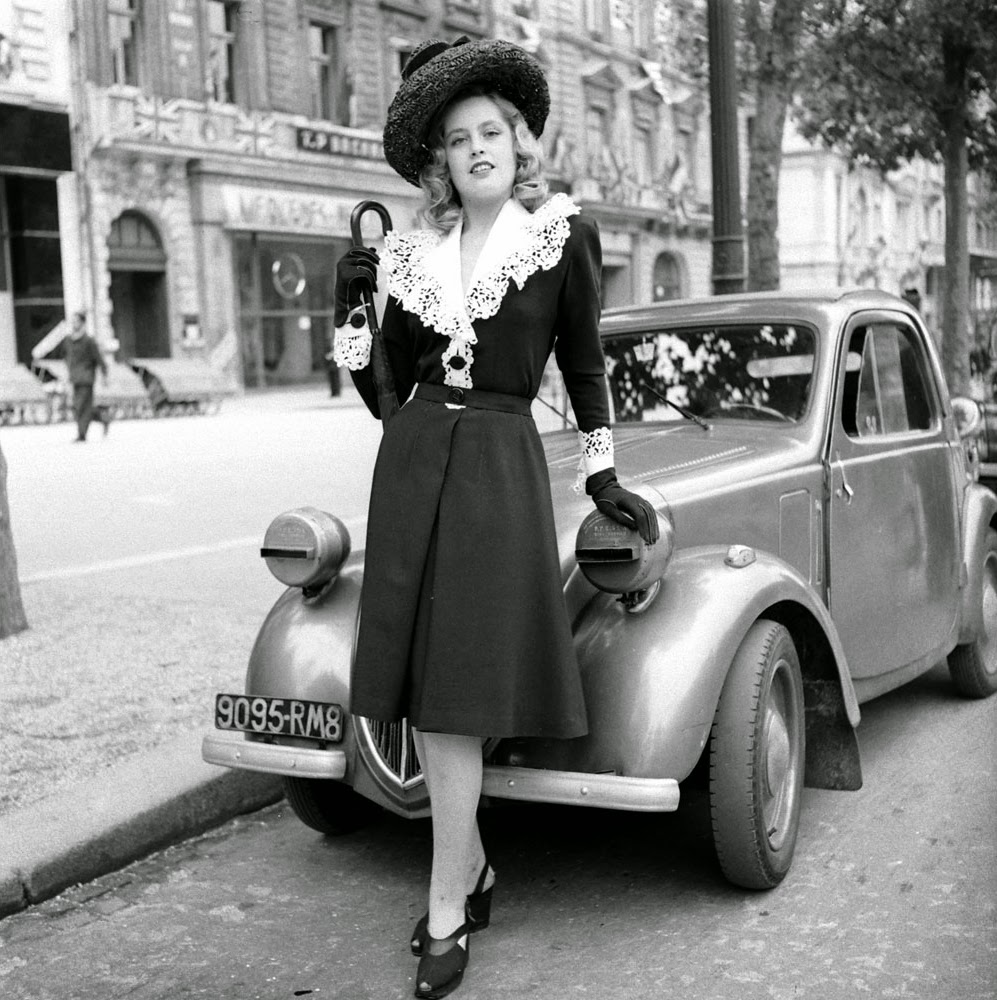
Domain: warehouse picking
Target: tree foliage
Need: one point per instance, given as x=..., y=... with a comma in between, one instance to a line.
x=892, y=80
x=886, y=78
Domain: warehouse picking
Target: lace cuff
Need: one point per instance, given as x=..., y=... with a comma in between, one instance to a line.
x=351, y=346
x=597, y=454
x=597, y=450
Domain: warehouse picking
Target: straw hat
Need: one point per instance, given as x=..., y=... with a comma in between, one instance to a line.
x=436, y=71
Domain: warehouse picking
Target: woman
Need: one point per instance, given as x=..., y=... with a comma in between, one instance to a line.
x=463, y=627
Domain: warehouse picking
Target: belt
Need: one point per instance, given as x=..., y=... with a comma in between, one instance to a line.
x=478, y=399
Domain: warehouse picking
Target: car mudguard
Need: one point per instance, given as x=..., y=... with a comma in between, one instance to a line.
x=979, y=510
x=652, y=681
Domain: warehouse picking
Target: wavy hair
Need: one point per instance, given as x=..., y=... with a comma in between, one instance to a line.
x=443, y=206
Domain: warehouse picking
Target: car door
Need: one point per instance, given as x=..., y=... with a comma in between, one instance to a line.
x=893, y=525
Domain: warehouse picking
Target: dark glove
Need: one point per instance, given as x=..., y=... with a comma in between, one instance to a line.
x=355, y=270
x=621, y=505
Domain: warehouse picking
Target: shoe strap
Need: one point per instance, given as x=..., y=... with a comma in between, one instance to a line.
x=479, y=886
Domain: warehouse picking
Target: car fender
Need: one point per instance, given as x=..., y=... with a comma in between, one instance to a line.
x=979, y=510
x=652, y=681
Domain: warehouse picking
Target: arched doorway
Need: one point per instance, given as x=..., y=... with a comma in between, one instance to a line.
x=667, y=278
x=137, y=263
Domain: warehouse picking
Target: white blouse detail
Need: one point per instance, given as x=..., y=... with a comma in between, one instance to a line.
x=424, y=273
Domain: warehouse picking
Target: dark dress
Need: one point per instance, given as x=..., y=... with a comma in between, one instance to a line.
x=463, y=626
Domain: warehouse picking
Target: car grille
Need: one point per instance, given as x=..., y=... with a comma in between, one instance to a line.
x=393, y=750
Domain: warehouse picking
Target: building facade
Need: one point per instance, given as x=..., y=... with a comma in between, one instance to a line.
x=866, y=229
x=220, y=148
x=39, y=263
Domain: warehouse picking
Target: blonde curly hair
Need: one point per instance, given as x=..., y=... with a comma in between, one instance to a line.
x=443, y=207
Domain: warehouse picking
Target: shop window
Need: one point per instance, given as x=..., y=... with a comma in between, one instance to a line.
x=222, y=17
x=123, y=28
x=29, y=241
x=329, y=81
x=286, y=303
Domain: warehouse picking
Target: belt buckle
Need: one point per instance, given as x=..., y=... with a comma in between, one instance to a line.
x=456, y=395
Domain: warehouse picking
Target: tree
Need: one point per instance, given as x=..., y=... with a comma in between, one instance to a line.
x=893, y=80
x=12, y=618
x=773, y=31
x=773, y=36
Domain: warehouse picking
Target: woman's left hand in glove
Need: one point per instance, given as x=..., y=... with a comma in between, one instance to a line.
x=621, y=505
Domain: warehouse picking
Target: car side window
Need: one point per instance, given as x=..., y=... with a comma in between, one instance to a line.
x=885, y=390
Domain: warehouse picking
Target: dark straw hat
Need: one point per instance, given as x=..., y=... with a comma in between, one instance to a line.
x=436, y=71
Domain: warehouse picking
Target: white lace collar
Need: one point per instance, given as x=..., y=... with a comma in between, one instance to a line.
x=424, y=273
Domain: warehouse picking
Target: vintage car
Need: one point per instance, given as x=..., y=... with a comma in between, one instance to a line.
x=823, y=541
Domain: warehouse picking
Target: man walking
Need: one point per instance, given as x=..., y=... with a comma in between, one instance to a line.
x=83, y=358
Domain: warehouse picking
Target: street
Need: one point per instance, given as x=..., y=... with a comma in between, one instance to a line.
x=892, y=894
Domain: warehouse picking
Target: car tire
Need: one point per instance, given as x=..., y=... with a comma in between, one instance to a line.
x=973, y=666
x=757, y=754
x=328, y=806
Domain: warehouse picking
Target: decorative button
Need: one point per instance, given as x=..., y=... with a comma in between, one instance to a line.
x=457, y=362
x=456, y=395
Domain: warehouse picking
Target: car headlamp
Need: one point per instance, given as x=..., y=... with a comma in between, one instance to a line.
x=306, y=548
x=615, y=559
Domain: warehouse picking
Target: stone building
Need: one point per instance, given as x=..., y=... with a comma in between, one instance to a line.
x=38, y=255
x=863, y=228
x=220, y=148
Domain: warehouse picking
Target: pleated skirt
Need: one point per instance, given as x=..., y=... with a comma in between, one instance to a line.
x=463, y=626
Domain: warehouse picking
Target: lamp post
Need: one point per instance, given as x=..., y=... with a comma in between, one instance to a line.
x=728, y=236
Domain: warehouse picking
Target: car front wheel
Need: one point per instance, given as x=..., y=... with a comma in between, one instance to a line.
x=757, y=759
x=328, y=806
x=974, y=666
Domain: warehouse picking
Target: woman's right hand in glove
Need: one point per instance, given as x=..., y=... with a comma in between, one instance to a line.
x=355, y=270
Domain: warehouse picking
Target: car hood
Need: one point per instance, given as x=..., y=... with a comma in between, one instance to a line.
x=669, y=464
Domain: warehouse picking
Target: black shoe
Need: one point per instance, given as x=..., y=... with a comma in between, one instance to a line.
x=106, y=421
x=439, y=975
x=477, y=912
x=79, y=440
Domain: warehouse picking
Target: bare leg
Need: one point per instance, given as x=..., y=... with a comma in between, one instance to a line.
x=452, y=766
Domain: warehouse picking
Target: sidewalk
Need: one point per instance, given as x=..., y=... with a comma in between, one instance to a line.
x=117, y=774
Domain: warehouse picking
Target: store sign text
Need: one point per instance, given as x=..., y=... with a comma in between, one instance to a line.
x=276, y=212
x=315, y=141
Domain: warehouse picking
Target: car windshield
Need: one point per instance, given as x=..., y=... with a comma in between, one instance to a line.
x=747, y=371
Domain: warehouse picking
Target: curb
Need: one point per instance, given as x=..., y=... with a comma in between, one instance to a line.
x=124, y=813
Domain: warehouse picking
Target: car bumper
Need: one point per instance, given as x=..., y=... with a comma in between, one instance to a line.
x=527, y=784
x=234, y=750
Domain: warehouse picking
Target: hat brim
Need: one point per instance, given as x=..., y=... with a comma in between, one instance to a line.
x=500, y=65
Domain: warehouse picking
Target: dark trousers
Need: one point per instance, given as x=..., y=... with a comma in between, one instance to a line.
x=82, y=408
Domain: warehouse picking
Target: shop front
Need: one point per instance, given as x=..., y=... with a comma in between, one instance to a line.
x=284, y=249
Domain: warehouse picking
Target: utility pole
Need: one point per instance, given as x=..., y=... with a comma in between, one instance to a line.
x=728, y=236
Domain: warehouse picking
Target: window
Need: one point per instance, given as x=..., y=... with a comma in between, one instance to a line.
x=644, y=156
x=29, y=218
x=330, y=90
x=596, y=138
x=122, y=17
x=885, y=390
x=667, y=278
x=221, y=50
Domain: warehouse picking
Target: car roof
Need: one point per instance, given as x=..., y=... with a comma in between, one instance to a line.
x=818, y=306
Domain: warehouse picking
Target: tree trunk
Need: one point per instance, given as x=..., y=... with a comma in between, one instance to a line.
x=776, y=56
x=956, y=345
x=12, y=617
x=764, y=165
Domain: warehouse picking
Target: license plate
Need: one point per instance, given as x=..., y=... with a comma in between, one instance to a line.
x=313, y=720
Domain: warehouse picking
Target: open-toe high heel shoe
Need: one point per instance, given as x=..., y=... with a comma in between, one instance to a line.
x=477, y=912
x=439, y=975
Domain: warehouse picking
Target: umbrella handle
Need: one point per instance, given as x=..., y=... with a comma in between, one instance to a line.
x=384, y=379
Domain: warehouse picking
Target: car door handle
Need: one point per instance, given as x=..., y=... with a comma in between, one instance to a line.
x=844, y=490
